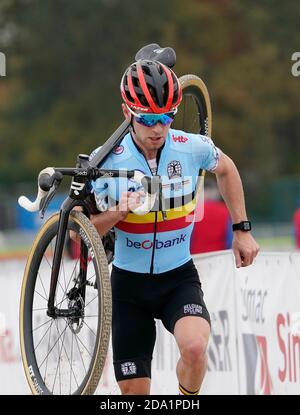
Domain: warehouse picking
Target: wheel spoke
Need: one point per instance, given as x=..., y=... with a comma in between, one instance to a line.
x=78, y=338
x=44, y=298
x=40, y=309
x=91, y=301
x=49, y=328
x=59, y=357
x=41, y=325
x=70, y=364
x=40, y=279
x=80, y=354
x=49, y=339
x=90, y=329
x=52, y=347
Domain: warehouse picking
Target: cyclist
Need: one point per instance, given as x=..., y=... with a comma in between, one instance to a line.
x=153, y=275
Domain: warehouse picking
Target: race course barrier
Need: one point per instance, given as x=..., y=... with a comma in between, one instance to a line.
x=254, y=346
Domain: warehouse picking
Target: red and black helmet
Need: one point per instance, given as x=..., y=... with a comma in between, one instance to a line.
x=150, y=87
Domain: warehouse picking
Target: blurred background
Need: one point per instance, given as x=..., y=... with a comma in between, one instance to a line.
x=60, y=95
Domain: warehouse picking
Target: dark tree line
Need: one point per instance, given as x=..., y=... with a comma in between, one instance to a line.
x=65, y=59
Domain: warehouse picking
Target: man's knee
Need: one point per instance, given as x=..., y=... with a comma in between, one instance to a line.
x=194, y=352
x=138, y=386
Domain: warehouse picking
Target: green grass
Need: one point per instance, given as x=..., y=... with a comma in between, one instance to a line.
x=14, y=251
x=279, y=242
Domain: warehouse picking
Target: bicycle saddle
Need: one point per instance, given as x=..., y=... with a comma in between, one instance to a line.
x=153, y=51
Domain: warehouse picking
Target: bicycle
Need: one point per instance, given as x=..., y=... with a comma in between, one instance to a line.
x=65, y=307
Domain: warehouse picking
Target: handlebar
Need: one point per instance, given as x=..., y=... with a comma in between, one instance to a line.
x=44, y=176
x=49, y=176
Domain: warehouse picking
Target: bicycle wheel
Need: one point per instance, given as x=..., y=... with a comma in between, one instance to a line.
x=66, y=355
x=194, y=114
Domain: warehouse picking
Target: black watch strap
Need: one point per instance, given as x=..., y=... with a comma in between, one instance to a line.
x=245, y=226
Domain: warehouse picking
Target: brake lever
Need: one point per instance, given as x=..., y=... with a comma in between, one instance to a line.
x=47, y=199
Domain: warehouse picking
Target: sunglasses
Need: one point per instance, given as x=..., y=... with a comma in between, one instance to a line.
x=149, y=120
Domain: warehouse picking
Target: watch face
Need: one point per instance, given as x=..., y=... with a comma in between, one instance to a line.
x=242, y=226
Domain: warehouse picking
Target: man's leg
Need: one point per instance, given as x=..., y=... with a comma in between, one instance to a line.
x=191, y=334
x=139, y=386
x=133, y=333
x=133, y=339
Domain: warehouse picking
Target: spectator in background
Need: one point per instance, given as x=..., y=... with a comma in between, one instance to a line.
x=214, y=231
x=296, y=221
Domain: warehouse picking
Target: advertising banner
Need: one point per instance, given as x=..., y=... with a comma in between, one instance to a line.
x=216, y=272
x=268, y=298
x=12, y=377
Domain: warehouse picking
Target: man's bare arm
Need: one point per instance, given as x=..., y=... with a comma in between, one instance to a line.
x=230, y=185
x=231, y=188
x=103, y=222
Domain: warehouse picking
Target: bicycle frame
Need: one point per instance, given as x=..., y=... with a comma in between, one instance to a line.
x=77, y=197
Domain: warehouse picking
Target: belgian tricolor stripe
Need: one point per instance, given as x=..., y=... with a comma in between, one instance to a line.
x=164, y=226
x=177, y=218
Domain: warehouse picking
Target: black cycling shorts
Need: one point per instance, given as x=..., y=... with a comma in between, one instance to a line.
x=138, y=299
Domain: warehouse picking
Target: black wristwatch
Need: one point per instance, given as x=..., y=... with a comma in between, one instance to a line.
x=245, y=226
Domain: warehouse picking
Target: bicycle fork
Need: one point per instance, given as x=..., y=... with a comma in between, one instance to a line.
x=53, y=311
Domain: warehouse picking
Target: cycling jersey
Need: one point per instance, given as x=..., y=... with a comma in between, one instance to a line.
x=149, y=244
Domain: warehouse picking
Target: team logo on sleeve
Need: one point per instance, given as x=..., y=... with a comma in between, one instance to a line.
x=174, y=169
x=179, y=138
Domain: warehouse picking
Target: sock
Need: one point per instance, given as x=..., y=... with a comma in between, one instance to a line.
x=183, y=391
